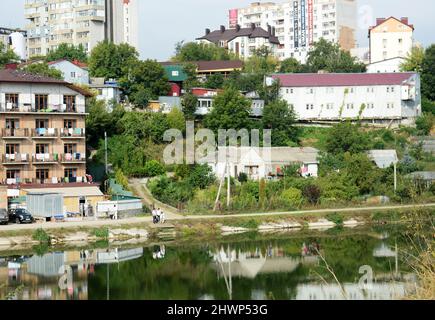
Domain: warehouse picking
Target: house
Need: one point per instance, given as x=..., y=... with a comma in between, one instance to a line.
x=43, y=134
x=262, y=163
x=73, y=71
x=383, y=158
x=108, y=91
x=390, y=38
x=375, y=98
x=423, y=178
x=386, y=66
x=242, y=41
x=176, y=76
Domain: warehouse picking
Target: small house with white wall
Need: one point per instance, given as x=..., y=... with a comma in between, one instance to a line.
x=73, y=71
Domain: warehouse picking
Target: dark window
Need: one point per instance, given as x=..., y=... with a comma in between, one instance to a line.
x=12, y=174
x=41, y=102
x=70, y=148
x=42, y=174
x=11, y=100
x=12, y=148
x=41, y=123
x=69, y=124
x=70, y=102
x=41, y=148
x=70, y=173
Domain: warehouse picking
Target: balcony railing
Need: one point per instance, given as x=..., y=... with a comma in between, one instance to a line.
x=45, y=158
x=73, y=157
x=16, y=158
x=53, y=181
x=49, y=108
x=15, y=133
x=45, y=133
x=73, y=133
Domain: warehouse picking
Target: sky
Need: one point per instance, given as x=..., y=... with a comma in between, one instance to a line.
x=163, y=23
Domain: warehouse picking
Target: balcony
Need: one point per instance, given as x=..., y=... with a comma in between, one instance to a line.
x=45, y=158
x=74, y=158
x=45, y=133
x=73, y=133
x=15, y=159
x=11, y=134
x=31, y=108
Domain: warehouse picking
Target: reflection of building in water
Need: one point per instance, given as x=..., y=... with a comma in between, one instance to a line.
x=250, y=264
x=39, y=275
x=378, y=291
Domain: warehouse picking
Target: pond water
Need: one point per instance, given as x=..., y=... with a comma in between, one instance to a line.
x=337, y=264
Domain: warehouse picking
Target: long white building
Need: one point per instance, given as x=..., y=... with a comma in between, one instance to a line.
x=300, y=23
x=380, y=98
x=86, y=22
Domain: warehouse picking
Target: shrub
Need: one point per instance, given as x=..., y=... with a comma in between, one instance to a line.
x=41, y=235
x=102, y=233
x=312, y=193
x=292, y=197
x=153, y=168
x=243, y=177
x=121, y=179
x=335, y=217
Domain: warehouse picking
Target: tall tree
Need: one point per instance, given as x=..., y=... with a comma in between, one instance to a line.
x=230, y=111
x=68, y=52
x=328, y=56
x=346, y=137
x=147, y=80
x=189, y=103
x=290, y=65
x=43, y=69
x=414, y=60
x=108, y=60
x=428, y=73
x=7, y=55
x=192, y=51
x=280, y=118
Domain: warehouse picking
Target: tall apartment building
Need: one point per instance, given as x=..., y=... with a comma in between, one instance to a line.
x=390, y=38
x=300, y=23
x=14, y=39
x=42, y=130
x=86, y=22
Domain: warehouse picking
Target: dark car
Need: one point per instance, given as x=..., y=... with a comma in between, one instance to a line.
x=4, y=219
x=20, y=216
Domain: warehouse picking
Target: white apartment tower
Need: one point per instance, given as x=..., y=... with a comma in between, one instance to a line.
x=300, y=23
x=86, y=22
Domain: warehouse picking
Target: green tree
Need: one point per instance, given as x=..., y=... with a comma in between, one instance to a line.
x=290, y=65
x=281, y=119
x=190, y=69
x=176, y=119
x=189, y=104
x=259, y=64
x=428, y=73
x=425, y=123
x=43, y=69
x=414, y=60
x=215, y=81
x=361, y=172
x=345, y=137
x=193, y=51
x=328, y=56
x=201, y=176
x=230, y=111
x=7, y=55
x=153, y=168
x=147, y=80
x=292, y=197
x=68, y=52
x=108, y=60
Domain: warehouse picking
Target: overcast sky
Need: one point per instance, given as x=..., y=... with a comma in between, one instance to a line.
x=162, y=23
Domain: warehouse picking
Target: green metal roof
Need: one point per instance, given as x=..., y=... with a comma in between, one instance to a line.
x=175, y=73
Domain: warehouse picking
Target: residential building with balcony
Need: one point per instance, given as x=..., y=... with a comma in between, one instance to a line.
x=85, y=22
x=300, y=23
x=42, y=130
x=386, y=99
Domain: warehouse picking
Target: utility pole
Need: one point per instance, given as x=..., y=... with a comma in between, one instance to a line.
x=395, y=177
x=229, y=184
x=105, y=148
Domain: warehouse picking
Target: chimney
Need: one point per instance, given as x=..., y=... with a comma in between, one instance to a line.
x=207, y=31
x=273, y=31
x=252, y=26
x=379, y=21
x=222, y=29
x=269, y=29
x=238, y=27
x=405, y=20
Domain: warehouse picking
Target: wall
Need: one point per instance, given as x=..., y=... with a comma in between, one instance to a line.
x=66, y=67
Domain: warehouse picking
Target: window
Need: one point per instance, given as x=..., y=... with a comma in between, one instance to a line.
x=12, y=148
x=12, y=123
x=310, y=106
x=41, y=123
x=42, y=174
x=41, y=102
x=11, y=101
x=12, y=174
x=70, y=148
x=70, y=173
x=73, y=74
x=41, y=148
x=70, y=102
x=69, y=124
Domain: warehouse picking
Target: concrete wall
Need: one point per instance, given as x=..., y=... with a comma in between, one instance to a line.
x=72, y=73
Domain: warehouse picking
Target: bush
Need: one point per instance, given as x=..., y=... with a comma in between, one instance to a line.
x=292, y=197
x=312, y=193
x=41, y=235
x=121, y=179
x=153, y=168
x=336, y=218
x=102, y=233
x=243, y=177
x=425, y=123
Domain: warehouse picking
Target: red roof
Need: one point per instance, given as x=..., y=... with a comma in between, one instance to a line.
x=74, y=62
x=404, y=20
x=341, y=79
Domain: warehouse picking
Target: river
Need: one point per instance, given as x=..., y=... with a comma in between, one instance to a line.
x=335, y=264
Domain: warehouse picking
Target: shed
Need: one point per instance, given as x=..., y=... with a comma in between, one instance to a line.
x=383, y=158
x=45, y=204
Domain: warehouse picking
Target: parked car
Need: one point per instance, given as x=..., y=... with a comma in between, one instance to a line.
x=20, y=216
x=4, y=219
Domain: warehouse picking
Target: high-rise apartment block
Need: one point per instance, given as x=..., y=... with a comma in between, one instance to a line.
x=86, y=22
x=300, y=23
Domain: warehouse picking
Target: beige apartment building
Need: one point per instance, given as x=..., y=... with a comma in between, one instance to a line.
x=42, y=130
x=85, y=22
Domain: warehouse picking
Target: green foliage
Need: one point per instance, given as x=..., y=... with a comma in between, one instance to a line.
x=201, y=176
x=189, y=104
x=345, y=137
x=7, y=56
x=41, y=235
x=328, y=56
x=121, y=179
x=102, y=233
x=312, y=193
x=261, y=64
x=176, y=119
x=193, y=51
x=153, y=168
x=68, y=52
x=290, y=65
x=414, y=60
x=245, y=81
x=425, y=123
x=428, y=106
x=292, y=197
x=335, y=217
x=111, y=61
x=281, y=119
x=428, y=74
x=243, y=177
x=230, y=111
x=215, y=81
x=43, y=69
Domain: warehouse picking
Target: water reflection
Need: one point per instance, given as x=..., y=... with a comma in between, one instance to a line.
x=270, y=269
